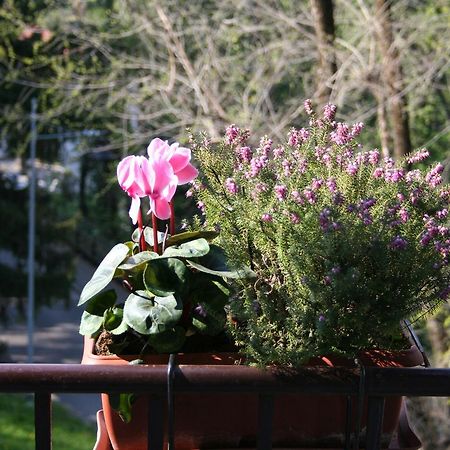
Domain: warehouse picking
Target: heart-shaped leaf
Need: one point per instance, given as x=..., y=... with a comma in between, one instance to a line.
x=90, y=324
x=187, y=236
x=139, y=259
x=165, y=277
x=100, y=302
x=169, y=341
x=191, y=249
x=136, y=312
x=104, y=273
x=166, y=313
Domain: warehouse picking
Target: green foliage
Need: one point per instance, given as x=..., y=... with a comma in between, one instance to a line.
x=344, y=244
x=17, y=426
x=55, y=269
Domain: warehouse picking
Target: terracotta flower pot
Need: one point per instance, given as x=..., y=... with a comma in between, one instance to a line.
x=229, y=420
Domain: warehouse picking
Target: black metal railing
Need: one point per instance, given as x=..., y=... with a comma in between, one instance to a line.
x=161, y=383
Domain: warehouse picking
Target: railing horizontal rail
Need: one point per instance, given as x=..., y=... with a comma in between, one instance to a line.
x=313, y=380
x=372, y=383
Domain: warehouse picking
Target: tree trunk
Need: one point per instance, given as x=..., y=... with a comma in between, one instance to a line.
x=392, y=77
x=323, y=18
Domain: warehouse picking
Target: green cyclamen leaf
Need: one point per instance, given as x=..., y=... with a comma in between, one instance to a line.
x=165, y=277
x=104, y=273
x=192, y=249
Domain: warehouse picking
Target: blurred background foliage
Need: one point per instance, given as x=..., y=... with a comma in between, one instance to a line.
x=109, y=75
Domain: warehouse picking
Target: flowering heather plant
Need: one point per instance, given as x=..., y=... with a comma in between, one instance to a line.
x=177, y=288
x=344, y=243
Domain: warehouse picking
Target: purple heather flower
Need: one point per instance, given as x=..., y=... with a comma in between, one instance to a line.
x=304, y=134
x=357, y=128
x=232, y=132
x=321, y=318
x=331, y=185
x=293, y=137
x=326, y=158
x=302, y=164
x=286, y=168
x=231, y=186
x=368, y=203
x=335, y=270
x=341, y=135
x=389, y=163
x=398, y=243
x=404, y=215
x=413, y=175
x=319, y=152
x=352, y=169
x=394, y=175
x=245, y=154
x=266, y=217
x=200, y=310
x=378, y=172
x=307, y=104
x=433, y=177
x=278, y=152
x=265, y=145
x=316, y=184
x=280, y=192
x=201, y=206
x=189, y=193
x=324, y=219
x=297, y=197
x=374, y=157
x=425, y=239
x=329, y=111
x=419, y=156
x=335, y=226
x=442, y=214
x=295, y=219
x=327, y=280
x=310, y=195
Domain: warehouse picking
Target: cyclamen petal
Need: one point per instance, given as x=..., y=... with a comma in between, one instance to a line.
x=178, y=157
x=134, y=209
x=160, y=207
x=187, y=174
x=158, y=149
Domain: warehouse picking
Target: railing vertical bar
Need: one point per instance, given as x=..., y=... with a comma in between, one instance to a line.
x=155, y=434
x=375, y=411
x=171, y=402
x=265, y=419
x=43, y=421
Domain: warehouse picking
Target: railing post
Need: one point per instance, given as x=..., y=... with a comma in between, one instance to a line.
x=43, y=421
x=375, y=411
x=265, y=420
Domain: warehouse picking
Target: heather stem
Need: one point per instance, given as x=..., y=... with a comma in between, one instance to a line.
x=172, y=219
x=155, y=232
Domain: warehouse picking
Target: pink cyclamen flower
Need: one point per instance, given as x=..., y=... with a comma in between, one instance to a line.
x=140, y=177
x=178, y=157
